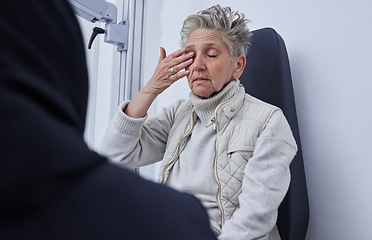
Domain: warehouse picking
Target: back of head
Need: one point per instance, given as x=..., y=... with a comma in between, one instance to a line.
x=232, y=24
x=43, y=99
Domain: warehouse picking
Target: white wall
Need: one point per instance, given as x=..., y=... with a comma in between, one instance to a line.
x=330, y=49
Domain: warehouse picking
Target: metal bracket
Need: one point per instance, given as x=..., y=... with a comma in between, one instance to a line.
x=117, y=34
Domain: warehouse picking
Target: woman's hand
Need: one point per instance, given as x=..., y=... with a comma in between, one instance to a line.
x=168, y=70
x=166, y=73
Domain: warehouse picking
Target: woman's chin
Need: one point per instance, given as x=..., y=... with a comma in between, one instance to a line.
x=202, y=94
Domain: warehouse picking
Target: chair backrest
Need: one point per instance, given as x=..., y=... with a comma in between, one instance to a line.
x=267, y=76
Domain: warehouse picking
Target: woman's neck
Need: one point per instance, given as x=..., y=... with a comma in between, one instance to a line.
x=205, y=108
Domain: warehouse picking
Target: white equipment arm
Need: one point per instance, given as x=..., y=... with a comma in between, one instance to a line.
x=102, y=11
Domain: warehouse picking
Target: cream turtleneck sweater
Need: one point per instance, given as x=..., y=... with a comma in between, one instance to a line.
x=193, y=172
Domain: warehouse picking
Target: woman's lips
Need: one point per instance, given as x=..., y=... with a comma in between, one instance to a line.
x=200, y=79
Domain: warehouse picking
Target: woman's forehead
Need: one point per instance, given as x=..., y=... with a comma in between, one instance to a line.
x=204, y=37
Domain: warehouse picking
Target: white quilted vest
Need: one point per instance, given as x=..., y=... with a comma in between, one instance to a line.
x=238, y=123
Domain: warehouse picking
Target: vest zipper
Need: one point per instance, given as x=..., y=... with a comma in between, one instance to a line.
x=170, y=162
x=218, y=200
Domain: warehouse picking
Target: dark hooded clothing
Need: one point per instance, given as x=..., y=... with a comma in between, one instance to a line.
x=52, y=186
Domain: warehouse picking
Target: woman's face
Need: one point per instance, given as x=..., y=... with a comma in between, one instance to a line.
x=213, y=66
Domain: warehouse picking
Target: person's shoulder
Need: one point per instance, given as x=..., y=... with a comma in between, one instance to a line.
x=252, y=99
x=179, y=106
x=175, y=110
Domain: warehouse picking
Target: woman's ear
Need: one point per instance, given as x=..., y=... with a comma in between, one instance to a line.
x=240, y=62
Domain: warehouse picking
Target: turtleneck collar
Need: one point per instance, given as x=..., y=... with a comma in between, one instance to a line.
x=205, y=108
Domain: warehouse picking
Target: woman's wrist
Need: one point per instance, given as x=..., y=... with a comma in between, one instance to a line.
x=139, y=105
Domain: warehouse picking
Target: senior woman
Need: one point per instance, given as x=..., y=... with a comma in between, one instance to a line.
x=229, y=149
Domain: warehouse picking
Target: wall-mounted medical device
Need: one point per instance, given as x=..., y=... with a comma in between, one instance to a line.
x=102, y=11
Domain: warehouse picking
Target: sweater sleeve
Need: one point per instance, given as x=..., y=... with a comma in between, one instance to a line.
x=265, y=183
x=136, y=142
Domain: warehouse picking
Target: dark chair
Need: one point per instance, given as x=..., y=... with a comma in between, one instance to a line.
x=267, y=76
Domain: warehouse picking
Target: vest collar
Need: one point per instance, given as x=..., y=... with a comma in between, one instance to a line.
x=229, y=109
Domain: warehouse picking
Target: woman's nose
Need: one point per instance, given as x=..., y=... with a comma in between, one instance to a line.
x=198, y=64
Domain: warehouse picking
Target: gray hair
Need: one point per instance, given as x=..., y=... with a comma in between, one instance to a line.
x=232, y=24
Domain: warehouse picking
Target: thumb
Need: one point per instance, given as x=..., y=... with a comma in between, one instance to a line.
x=163, y=54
